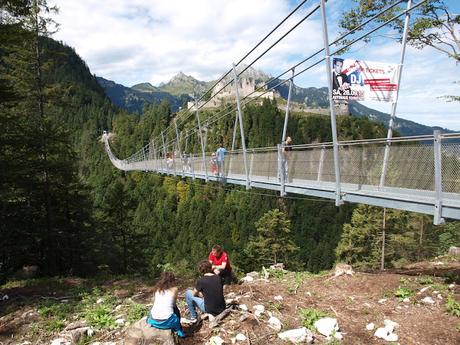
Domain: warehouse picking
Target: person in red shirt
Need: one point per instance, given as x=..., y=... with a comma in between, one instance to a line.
x=220, y=263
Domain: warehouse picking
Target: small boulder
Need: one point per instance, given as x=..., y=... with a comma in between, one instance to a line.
x=341, y=269
x=454, y=251
x=370, y=326
x=243, y=307
x=297, y=336
x=216, y=340
x=120, y=322
x=278, y=266
x=60, y=341
x=258, y=310
x=274, y=323
x=428, y=300
x=254, y=275
x=240, y=337
x=327, y=326
x=247, y=279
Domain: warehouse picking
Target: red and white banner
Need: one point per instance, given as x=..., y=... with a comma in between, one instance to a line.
x=363, y=80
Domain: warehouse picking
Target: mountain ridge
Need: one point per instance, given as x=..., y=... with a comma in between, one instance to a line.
x=181, y=87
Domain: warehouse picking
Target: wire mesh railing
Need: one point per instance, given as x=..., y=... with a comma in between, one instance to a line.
x=410, y=165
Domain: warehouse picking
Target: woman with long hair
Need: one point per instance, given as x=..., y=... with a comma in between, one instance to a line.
x=164, y=313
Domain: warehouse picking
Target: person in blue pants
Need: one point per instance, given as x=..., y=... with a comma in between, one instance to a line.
x=211, y=288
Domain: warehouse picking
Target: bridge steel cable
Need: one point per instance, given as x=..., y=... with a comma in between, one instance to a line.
x=189, y=113
x=262, y=87
x=420, y=190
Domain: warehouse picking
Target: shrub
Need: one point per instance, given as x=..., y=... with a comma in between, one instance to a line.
x=309, y=316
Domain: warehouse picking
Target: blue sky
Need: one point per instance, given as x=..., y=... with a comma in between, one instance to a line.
x=152, y=40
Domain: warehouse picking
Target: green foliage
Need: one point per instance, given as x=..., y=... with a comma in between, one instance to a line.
x=452, y=306
x=136, y=312
x=449, y=236
x=273, y=241
x=403, y=292
x=408, y=237
x=425, y=280
x=309, y=316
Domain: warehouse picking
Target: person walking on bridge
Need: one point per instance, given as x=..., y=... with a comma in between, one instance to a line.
x=220, y=153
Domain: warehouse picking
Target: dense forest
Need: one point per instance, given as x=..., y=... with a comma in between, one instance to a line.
x=67, y=210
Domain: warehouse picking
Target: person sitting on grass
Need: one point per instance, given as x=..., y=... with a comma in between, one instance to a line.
x=211, y=288
x=164, y=313
x=220, y=263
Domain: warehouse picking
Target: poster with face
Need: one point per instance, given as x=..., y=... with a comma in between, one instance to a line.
x=363, y=81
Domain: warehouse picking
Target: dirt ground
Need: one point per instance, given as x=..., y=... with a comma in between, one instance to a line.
x=354, y=301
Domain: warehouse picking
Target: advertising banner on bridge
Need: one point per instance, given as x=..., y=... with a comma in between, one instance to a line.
x=363, y=81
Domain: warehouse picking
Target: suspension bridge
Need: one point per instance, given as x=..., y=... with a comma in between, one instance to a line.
x=417, y=173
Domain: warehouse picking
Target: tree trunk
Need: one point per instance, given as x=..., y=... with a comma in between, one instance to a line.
x=382, y=259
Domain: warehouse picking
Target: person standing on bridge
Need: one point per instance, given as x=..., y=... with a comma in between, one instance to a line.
x=220, y=153
x=287, y=149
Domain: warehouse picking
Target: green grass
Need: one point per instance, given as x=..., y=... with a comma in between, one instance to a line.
x=309, y=316
x=136, y=312
x=452, y=306
x=425, y=280
x=403, y=292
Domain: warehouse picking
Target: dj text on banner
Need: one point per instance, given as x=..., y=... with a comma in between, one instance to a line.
x=363, y=81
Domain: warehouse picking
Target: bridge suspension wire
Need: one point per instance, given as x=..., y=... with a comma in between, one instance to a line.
x=246, y=55
x=423, y=171
x=263, y=87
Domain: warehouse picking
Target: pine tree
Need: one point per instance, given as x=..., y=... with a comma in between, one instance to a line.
x=274, y=241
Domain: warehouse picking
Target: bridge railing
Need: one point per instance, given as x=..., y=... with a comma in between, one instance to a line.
x=411, y=163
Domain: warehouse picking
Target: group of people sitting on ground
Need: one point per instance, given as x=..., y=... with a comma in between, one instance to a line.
x=207, y=295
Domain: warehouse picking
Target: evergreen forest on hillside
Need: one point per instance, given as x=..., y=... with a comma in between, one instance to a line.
x=67, y=210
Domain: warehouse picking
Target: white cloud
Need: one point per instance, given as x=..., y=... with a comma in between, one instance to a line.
x=152, y=40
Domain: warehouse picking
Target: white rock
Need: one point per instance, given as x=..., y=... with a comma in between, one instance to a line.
x=26, y=343
x=406, y=300
x=440, y=296
x=438, y=263
x=297, y=336
x=216, y=340
x=243, y=307
x=308, y=293
x=452, y=286
x=382, y=301
x=258, y=310
x=367, y=305
x=422, y=290
x=274, y=323
x=381, y=333
x=327, y=326
x=435, y=292
x=100, y=300
x=5, y=297
x=370, y=326
x=391, y=337
x=254, y=275
x=90, y=332
x=428, y=300
x=60, y=341
x=393, y=324
x=120, y=322
x=338, y=335
x=278, y=298
x=247, y=279
x=240, y=337
x=118, y=307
